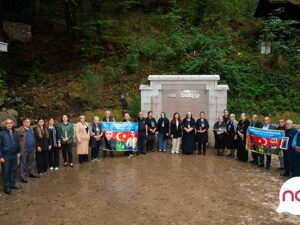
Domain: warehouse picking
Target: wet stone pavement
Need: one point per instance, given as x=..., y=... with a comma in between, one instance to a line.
x=157, y=188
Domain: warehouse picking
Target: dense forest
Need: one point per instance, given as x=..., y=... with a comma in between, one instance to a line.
x=85, y=53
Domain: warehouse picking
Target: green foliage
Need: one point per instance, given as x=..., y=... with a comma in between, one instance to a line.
x=91, y=86
x=35, y=76
x=186, y=37
x=134, y=104
x=112, y=73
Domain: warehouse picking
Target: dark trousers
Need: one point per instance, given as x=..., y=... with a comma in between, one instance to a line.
x=201, y=139
x=42, y=161
x=9, y=170
x=104, y=153
x=242, y=153
x=83, y=158
x=150, y=145
x=141, y=141
x=54, y=157
x=295, y=168
x=261, y=158
x=95, y=150
x=27, y=163
x=287, y=157
x=255, y=157
x=67, y=152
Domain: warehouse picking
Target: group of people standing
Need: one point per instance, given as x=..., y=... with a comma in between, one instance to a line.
x=231, y=134
x=38, y=147
x=187, y=131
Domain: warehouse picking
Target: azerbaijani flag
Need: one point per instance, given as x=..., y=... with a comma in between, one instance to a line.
x=264, y=141
x=123, y=135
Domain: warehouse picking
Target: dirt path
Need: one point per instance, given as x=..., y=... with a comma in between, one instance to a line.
x=157, y=188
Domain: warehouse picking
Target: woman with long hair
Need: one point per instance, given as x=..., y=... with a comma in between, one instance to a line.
x=176, y=133
x=43, y=146
x=54, y=138
x=82, y=139
x=188, y=138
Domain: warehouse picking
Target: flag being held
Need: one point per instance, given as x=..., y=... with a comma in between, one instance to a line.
x=120, y=136
x=265, y=141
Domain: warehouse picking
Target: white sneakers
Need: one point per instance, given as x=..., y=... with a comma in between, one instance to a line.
x=51, y=168
x=56, y=168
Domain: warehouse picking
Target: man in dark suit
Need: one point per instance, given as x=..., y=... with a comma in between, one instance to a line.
x=9, y=153
x=266, y=126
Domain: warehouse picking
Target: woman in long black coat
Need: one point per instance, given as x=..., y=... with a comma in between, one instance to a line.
x=219, y=130
x=43, y=145
x=242, y=153
x=202, y=127
x=188, y=138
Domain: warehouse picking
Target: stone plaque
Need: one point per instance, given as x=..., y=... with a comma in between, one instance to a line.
x=184, y=100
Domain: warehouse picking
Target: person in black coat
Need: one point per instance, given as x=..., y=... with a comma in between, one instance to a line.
x=176, y=133
x=163, y=129
x=150, y=132
x=242, y=153
x=231, y=137
x=219, y=130
x=95, y=141
x=202, y=127
x=42, y=146
x=54, y=138
x=189, y=137
x=142, y=127
x=281, y=126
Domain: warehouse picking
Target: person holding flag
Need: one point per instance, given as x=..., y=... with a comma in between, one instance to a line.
x=127, y=119
x=257, y=124
x=267, y=126
x=288, y=154
x=281, y=126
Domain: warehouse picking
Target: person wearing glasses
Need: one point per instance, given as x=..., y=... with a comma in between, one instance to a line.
x=188, y=137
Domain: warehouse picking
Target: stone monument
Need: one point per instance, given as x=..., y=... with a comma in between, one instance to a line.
x=183, y=93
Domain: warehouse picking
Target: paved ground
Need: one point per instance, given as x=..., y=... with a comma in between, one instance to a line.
x=157, y=188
